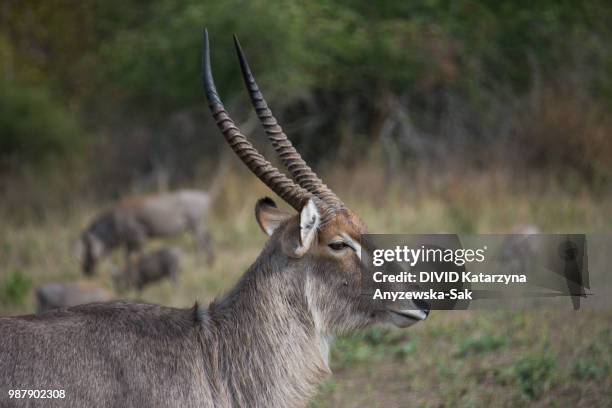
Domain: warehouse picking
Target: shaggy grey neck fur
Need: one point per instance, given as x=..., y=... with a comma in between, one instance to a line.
x=261, y=345
x=271, y=352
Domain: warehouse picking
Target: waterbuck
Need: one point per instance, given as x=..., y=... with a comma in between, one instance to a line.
x=148, y=268
x=135, y=219
x=263, y=344
x=56, y=295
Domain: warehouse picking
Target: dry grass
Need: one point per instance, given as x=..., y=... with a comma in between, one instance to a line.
x=455, y=358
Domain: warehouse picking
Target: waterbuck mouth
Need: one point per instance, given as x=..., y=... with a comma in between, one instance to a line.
x=407, y=317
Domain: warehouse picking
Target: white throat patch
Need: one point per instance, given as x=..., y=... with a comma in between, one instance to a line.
x=324, y=340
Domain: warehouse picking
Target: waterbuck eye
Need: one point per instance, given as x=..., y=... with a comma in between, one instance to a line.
x=338, y=246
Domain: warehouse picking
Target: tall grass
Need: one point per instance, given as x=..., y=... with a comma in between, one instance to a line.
x=46, y=248
x=453, y=359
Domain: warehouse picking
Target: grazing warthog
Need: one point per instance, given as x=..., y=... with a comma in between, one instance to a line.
x=57, y=295
x=263, y=344
x=149, y=268
x=519, y=250
x=133, y=220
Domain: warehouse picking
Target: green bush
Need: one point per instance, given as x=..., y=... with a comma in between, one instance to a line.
x=481, y=344
x=594, y=363
x=589, y=370
x=467, y=48
x=34, y=127
x=436, y=80
x=533, y=374
x=374, y=342
x=15, y=288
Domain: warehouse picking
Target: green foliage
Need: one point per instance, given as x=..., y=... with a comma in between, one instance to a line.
x=585, y=370
x=595, y=362
x=481, y=344
x=15, y=288
x=351, y=350
x=164, y=74
x=533, y=374
x=461, y=220
x=325, y=391
x=371, y=344
x=149, y=52
x=34, y=127
x=455, y=77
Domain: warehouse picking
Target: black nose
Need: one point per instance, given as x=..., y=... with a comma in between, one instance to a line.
x=423, y=305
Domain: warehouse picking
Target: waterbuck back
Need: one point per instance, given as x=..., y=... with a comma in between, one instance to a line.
x=106, y=355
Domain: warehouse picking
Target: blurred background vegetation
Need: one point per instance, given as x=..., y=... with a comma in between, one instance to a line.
x=467, y=116
x=99, y=98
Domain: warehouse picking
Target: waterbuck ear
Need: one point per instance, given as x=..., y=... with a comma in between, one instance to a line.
x=310, y=220
x=268, y=216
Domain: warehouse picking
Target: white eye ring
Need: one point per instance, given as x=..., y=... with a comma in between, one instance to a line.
x=355, y=246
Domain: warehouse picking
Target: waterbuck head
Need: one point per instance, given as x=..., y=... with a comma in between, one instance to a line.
x=322, y=242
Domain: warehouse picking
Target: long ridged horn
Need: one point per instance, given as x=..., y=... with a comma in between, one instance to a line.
x=299, y=170
x=286, y=188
